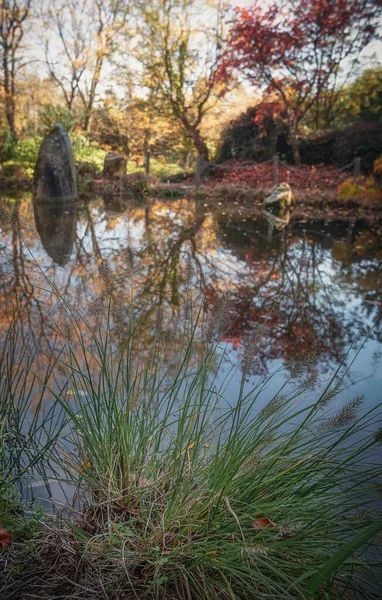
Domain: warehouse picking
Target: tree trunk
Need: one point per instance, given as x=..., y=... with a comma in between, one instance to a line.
x=10, y=114
x=293, y=133
x=186, y=159
x=200, y=144
x=296, y=154
x=92, y=93
x=296, y=151
x=10, y=103
x=87, y=122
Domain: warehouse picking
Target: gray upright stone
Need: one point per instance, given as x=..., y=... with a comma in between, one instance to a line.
x=114, y=164
x=55, y=172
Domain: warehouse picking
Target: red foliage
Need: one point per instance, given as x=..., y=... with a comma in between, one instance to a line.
x=295, y=48
x=260, y=176
x=269, y=112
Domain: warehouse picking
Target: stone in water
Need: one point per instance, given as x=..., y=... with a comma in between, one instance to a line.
x=280, y=197
x=55, y=172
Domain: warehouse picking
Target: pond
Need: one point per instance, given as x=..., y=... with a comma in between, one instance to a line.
x=313, y=282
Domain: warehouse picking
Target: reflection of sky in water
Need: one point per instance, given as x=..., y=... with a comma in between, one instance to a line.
x=329, y=297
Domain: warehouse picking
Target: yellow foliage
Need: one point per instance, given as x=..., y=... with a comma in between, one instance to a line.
x=365, y=188
x=377, y=167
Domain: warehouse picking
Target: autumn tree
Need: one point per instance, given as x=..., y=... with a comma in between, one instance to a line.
x=13, y=18
x=180, y=57
x=254, y=133
x=296, y=48
x=363, y=99
x=88, y=33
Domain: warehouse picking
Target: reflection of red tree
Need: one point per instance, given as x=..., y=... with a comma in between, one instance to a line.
x=294, y=324
x=301, y=310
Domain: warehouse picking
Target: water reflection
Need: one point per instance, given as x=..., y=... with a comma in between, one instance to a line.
x=56, y=223
x=316, y=281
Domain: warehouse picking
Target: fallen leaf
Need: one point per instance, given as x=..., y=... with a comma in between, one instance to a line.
x=262, y=522
x=5, y=536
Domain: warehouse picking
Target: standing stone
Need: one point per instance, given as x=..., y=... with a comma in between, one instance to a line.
x=55, y=172
x=114, y=164
x=280, y=197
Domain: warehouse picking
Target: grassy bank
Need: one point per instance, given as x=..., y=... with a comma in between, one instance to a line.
x=23, y=156
x=179, y=493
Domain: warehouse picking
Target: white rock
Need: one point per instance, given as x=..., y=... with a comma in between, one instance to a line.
x=280, y=196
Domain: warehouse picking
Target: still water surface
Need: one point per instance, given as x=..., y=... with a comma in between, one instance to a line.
x=317, y=282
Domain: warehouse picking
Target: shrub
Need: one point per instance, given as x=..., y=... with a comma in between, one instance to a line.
x=165, y=170
x=50, y=115
x=254, y=134
x=342, y=146
x=85, y=151
x=7, y=144
x=362, y=140
x=363, y=188
x=377, y=169
x=24, y=155
x=25, y=152
x=318, y=149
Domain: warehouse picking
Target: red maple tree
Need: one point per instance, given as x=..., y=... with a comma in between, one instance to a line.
x=296, y=47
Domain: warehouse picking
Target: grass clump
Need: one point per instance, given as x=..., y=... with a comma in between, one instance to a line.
x=28, y=432
x=184, y=495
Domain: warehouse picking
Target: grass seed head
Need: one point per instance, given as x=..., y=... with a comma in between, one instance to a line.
x=309, y=381
x=97, y=308
x=219, y=320
x=253, y=552
x=332, y=392
x=188, y=269
x=187, y=309
x=378, y=316
x=130, y=259
x=273, y=406
x=119, y=312
x=159, y=323
x=107, y=277
x=67, y=333
x=345, y=416
x=250, y=350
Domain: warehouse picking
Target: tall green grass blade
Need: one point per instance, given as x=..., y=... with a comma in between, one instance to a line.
x=335, y=562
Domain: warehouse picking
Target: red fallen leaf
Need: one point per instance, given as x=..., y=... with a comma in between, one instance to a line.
x=262, y=522
x=5, y=536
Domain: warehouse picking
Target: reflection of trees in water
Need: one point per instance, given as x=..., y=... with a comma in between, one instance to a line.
x=305, y=307
x=305, y=301
x=19, y=297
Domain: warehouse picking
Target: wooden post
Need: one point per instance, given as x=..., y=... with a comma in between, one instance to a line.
x=357, y=167
x=198, y=175
x=147, y=162
x=275, y=172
